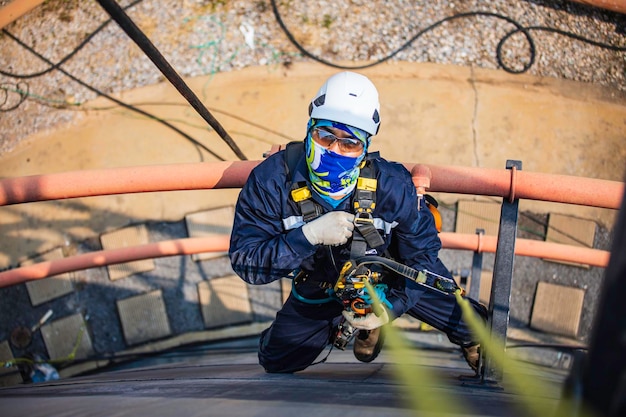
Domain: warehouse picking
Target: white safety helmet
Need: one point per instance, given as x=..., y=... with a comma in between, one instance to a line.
x=348, y=98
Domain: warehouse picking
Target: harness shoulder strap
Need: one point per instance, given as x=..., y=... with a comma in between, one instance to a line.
x=293, y=151
x=300, y=192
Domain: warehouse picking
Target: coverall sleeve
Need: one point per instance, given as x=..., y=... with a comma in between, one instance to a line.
x=261, y=251
x=417, y=245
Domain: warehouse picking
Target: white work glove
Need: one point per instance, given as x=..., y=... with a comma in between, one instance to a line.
x=370, y=321
x=334, y=228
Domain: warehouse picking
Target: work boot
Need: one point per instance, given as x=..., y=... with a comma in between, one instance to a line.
x=367, y=344
x=472, y=356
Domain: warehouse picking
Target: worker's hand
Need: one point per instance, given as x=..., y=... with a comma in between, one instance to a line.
x=370, y=321
x=334, y=228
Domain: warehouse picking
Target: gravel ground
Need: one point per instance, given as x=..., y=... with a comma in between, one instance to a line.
x=202, y=37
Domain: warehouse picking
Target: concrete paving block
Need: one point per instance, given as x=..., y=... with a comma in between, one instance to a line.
x=44, y=290
x=557, y=309
x=472, y=215
x=570, y=230
x=224, y=301
x=66, y=335
x=8, y=376
x=213, y=222
x=144, y=317
x=122, y=238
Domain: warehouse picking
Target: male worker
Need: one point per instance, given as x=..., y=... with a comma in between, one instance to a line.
x=275, y=235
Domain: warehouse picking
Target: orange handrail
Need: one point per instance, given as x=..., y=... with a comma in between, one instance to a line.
x=126, y=180
x=16, y=9
x=526, y=247
x=512, y=183
x=188, y=246
x=613, y=5
x=214, y=175
x=185, y=246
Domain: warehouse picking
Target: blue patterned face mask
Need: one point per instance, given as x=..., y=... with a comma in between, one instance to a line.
x=333, y=175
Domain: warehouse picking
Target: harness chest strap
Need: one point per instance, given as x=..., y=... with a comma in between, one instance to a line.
x=364, y=203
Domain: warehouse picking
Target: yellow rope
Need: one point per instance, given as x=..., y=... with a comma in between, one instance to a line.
x=68, y=358
x=531, y=391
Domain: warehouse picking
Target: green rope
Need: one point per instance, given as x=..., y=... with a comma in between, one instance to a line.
x=68, y=358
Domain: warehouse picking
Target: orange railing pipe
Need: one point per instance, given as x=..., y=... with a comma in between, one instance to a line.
x=188, y=246
x=613, y=5
x=526, y=247
x=139, y=179
x=16, y=9
x=512, y=183
x=209, y=175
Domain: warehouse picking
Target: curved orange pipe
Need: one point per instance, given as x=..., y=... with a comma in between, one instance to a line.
x=208, y=175
x=613, y=5
x=190, y=246
x=185, y=246
x=526, y=247
x=16, y=9
x=513, y=184
x=87, y=183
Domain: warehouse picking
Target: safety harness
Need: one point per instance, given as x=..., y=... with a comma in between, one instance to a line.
x=363, y=204
x=363, y=201
x=349, y=287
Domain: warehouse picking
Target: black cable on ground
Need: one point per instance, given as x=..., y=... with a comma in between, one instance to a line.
x=518, y=28
x=4, y=88
x=56, y=66
x=119, y=15
x=66, y=58
x=113, y=99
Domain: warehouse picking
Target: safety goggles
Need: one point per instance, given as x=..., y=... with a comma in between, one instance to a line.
x=326, y=139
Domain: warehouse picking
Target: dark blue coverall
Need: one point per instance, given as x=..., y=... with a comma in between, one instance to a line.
x=267, y=244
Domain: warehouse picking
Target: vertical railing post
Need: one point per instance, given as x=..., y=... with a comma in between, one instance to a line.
x=477, y=267
x=499, y=303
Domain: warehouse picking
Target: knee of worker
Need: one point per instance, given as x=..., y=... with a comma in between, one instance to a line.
x=267, y=359
x=277, y=367
x=280, y=353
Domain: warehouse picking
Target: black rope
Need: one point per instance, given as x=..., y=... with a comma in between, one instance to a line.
x=119, y=15
x=113, y=99
x=21, y=89
x=69, y=56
